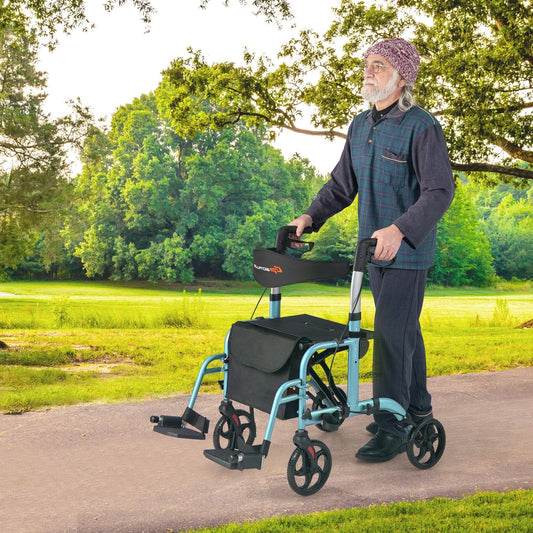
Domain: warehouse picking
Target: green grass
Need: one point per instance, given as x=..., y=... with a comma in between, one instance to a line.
x=488, y=512
x=84, y=342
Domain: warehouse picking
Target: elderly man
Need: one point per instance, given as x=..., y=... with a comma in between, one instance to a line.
x=396, y=162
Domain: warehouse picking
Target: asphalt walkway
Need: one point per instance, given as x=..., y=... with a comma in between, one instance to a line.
x=101, y=468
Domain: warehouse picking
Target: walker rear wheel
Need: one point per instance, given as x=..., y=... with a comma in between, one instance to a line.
x=225, y=430
x=309, y=469
x=426, y=443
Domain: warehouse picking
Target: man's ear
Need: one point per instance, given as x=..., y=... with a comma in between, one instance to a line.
x=401, y=83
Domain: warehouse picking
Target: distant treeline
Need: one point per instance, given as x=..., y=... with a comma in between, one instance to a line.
x=151, y=205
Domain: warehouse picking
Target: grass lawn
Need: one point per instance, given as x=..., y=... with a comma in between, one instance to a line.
x=67, y=342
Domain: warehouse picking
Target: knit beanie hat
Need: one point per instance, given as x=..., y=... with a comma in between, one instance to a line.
x=402, y=55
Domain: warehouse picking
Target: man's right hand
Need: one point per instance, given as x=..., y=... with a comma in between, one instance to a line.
x=302, y=222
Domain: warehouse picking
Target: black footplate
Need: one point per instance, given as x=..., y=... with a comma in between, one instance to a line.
x=237, y=460
x=174, y=426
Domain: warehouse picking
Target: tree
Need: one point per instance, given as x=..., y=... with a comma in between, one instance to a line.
x=156, y=206
x=240, y=191
x=476, y=75
x=506, y=217
x=271, y=9
x=128, y=191
x=463, y=252
x=337, y=239
x=509, y=229
x=33, y=150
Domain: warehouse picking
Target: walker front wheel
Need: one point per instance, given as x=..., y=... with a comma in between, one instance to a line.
x=426, y=443
x=309, y=469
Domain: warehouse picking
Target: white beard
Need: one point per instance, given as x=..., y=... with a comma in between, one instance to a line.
x=372, y=94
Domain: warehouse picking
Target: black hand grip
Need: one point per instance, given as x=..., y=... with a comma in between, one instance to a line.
x=363, y=254
x=283, y=240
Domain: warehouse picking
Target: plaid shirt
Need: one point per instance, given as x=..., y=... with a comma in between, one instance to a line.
x=399, y=168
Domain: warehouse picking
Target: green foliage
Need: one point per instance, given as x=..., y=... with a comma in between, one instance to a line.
x=34, y=188
x=33, y=183
x=510, y=230
x=337, y=239
x=271, y=9
x=507, y=220
x=462, y=252
x=48, y=17
x=166, y=261
x=475, y=56
x=158, y=207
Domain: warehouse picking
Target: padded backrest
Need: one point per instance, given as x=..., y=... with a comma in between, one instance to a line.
x=272, y=269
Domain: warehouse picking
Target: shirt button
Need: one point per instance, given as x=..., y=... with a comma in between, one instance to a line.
x=370, y=140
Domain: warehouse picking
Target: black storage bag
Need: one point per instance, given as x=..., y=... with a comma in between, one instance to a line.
x=266, y=352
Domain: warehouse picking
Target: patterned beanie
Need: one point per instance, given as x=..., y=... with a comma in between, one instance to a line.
x=402, y=55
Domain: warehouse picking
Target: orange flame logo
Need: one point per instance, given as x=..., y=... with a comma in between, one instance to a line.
x=276, y=270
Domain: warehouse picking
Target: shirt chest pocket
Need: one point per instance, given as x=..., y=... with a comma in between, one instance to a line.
x=395, y=170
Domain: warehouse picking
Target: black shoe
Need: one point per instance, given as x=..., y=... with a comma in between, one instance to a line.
x=382, y=447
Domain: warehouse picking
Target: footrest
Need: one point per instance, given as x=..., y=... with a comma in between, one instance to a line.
x=181, y=433
x=235, y=459
x=173, y=426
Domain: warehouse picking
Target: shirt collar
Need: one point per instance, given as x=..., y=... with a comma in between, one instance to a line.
x=377, y=115
x=392, y=112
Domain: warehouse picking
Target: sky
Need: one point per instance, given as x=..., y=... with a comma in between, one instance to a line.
x=117, y=61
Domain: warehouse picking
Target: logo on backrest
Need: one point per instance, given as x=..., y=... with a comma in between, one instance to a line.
x=274, y=269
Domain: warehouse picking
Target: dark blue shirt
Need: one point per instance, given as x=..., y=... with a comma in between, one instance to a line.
x=398, y=167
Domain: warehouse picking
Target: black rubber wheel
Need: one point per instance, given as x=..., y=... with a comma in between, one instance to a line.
x=309, y=469
x=426, y=443
x=224, y=432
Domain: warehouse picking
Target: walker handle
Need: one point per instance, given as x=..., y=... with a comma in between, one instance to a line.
x=283, y=241
x=363, y=254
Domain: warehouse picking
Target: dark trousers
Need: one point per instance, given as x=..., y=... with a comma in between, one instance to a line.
x=399, y=364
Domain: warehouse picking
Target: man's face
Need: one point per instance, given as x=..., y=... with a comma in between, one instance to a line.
x=382, y=83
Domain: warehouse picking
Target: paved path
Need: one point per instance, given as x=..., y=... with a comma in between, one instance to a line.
x=101, y=468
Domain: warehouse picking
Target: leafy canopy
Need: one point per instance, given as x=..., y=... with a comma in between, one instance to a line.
x=476, y=75
x=157, y=206
x=33, y=150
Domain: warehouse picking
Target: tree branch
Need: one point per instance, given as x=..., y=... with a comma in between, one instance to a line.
x=320, y=133
x=513, y=149
x=468, y=167
x=495, y=169
x=496, y=110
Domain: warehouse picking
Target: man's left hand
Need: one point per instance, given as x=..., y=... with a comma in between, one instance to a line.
x=389, y=241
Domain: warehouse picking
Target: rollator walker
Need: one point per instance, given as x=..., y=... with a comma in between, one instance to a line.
x=283, y=366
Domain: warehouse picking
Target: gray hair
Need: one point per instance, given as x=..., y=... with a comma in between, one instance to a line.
x=407, y=100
